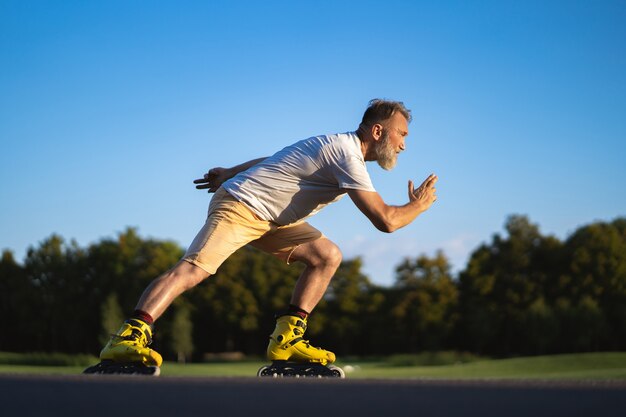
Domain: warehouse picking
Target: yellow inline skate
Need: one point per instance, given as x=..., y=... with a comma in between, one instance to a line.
x=127, y=352
x=293, y=356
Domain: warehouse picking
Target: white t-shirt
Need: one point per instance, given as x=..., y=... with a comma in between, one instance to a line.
x=301, y=179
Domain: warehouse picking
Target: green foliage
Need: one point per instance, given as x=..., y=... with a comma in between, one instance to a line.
x=503, y=301
x=45, y=359
x=57, y=275
x=520, y=294
x=530, y=294
x=595, y=284
x=234, y=309
x=16, y=297
x=425, y=311
x=110, y=316
x=350, y=304
x=181, y=339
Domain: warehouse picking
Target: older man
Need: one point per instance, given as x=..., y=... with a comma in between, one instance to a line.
x=264, y=203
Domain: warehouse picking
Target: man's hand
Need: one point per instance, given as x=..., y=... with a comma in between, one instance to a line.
x=425, y=193
x=217, y=176
x=388, y=218
x=213, y=179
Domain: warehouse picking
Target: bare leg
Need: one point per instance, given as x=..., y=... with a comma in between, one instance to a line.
x=322, y=258
x=161, y=292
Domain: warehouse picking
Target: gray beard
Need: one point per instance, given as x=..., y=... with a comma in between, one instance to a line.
x=386, y=156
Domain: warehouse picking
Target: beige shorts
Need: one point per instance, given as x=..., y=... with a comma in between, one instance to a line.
x=231, y=225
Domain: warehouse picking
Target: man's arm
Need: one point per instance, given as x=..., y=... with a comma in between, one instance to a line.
x=217, y=176
x=388, y=218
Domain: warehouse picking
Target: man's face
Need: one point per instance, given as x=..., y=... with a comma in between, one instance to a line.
x=391, y=141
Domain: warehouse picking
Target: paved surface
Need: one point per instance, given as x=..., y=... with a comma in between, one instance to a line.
x=124, y=396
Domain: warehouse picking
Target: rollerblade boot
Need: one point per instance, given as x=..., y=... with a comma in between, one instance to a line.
x=127, y=352
x=293, y=356
x=130, y=343
x=287, y=343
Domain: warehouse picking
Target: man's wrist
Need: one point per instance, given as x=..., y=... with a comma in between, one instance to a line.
x=231, y=172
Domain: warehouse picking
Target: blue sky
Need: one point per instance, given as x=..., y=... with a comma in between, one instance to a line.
x=109, y=110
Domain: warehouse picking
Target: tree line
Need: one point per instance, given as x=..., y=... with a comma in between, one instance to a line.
x=522, y=293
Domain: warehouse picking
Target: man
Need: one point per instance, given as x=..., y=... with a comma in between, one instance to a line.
x=263, y=203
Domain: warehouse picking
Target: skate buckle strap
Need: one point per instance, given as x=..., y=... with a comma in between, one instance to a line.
x=137, y=330
x=145, y=327
x=293, y=342
x=134, y=337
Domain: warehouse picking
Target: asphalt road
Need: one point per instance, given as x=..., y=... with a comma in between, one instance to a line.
x=112, y=396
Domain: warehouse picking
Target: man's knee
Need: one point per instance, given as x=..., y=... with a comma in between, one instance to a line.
x=333, y=255
x=321, y=253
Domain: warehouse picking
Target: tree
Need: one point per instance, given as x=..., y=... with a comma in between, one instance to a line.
x=111, y=318
x=234, y=309
x=180, y=334
x=425, y=312
x=16, y=299
x=126, y=265
x=594, y=286
x=503, y=291
x=520, y=293
x=64, y=319
x=345, y=320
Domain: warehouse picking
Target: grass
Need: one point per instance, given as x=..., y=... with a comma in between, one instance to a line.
x=610, y=365
x=585, y=366
x=44, y=363
x=45, y=359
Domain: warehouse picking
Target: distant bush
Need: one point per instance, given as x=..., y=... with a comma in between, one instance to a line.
x=224, y=357
x=432, y=358
x=46, y=359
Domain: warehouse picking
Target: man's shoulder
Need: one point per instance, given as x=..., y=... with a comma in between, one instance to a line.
x=329, y=148
x=347, y=142
x=341, y=136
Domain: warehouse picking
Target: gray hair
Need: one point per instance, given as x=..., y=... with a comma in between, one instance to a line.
x=379, y=110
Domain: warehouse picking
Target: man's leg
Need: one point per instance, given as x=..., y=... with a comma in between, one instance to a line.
x=322, y=258
x=161, y=292
x=229, y=225
x=130, y=343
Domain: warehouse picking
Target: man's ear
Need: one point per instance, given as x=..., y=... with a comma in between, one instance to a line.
x=377, y=131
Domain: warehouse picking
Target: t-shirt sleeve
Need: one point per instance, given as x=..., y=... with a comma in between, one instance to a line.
x=351, y=173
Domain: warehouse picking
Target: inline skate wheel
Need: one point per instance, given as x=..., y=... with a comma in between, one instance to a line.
x=337, y=371
x=262, y=370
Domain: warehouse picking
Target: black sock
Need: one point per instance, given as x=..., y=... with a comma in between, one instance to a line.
x=143, y=316
x=297, y=311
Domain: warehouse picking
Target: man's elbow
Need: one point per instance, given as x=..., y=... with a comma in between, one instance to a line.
x=386, y=226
